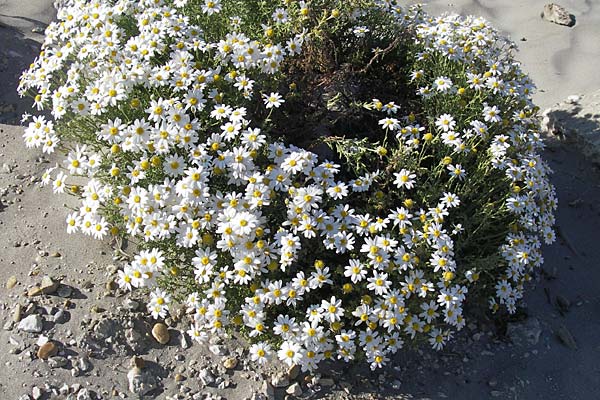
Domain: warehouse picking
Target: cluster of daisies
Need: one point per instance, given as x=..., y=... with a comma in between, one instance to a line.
x=258, y=234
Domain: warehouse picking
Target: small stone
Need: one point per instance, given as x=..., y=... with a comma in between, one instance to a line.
x=160, y=332
x=34, y=291
x=84, y=364
x=33, y=324
x=493, y=383
x=131, y=305
x=185, y=342
x=47, y=350
x=294, y=390
x=326, y=382
x=60, y=317
x=97, y=309
x=6, y=168
x=11, y=282
x=230, y=362
x=137, y=362
x=525, y=333
x=140, y=383
x=178, y=378
x=563, y=303
x=280, y=380
x=293, y=372
x=268, y=390
x=64, y=389
x=566, y=337
x=64, y=291
x=48, y=286
x=55, y=254
x=573, y=99
x=111, y=285
x=495, y=393
x=217, y=349
x=37, y=393
x=206, y=377
x=8, y=325
x=84, y=394
x=17, y=313
x=57, y=362
x=558, y=15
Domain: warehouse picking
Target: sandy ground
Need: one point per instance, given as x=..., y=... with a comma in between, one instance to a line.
x=561, y=60
x=527, y=361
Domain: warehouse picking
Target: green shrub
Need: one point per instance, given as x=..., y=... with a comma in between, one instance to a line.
x=330, y=178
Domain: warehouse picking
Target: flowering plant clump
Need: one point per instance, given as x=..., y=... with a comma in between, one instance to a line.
x=330, y=178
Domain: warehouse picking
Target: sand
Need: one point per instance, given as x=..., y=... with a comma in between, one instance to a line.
x=562, y=61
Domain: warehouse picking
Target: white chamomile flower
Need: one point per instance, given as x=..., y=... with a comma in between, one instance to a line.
x=273, y=100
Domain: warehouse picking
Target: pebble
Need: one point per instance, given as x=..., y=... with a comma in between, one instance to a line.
x=64, y=291
x=57, y=362
x=137, y=362
x=11, y=282
x=563, y=303
x=185, y=342
x=47, y=350
x=17, y=313
x=293, y=372
x=280, y=380
x=206, y=377
x=84, y=394
x=566, y=337
x=84, y=364
x=230, y=362
x=139, y=382
x=131, y=305
x=60, y=317
x=326, y=382
x=178, y=378
x=33, y=324
x=111, y=285
x=37, y=393
x=160, y=332
x=48, y=285
x=294, y=390
x=558, y=15
x=217, y=349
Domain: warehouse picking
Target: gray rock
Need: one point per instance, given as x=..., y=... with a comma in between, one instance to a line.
x=558, y=15
x=525, y=333
x=131, y=305
x=140, y=382
x=48, y=285
x=57, y=362
x=37, y=393
x=185, y=341
x=268, y=390
x=280, y=380
x=206, y=377
x=566, y=337
x=33, y=324
x=294, y=389
x=60, y=317
x=218, y=349
x=84, y=364
x=84, y=394
x=64, y=291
